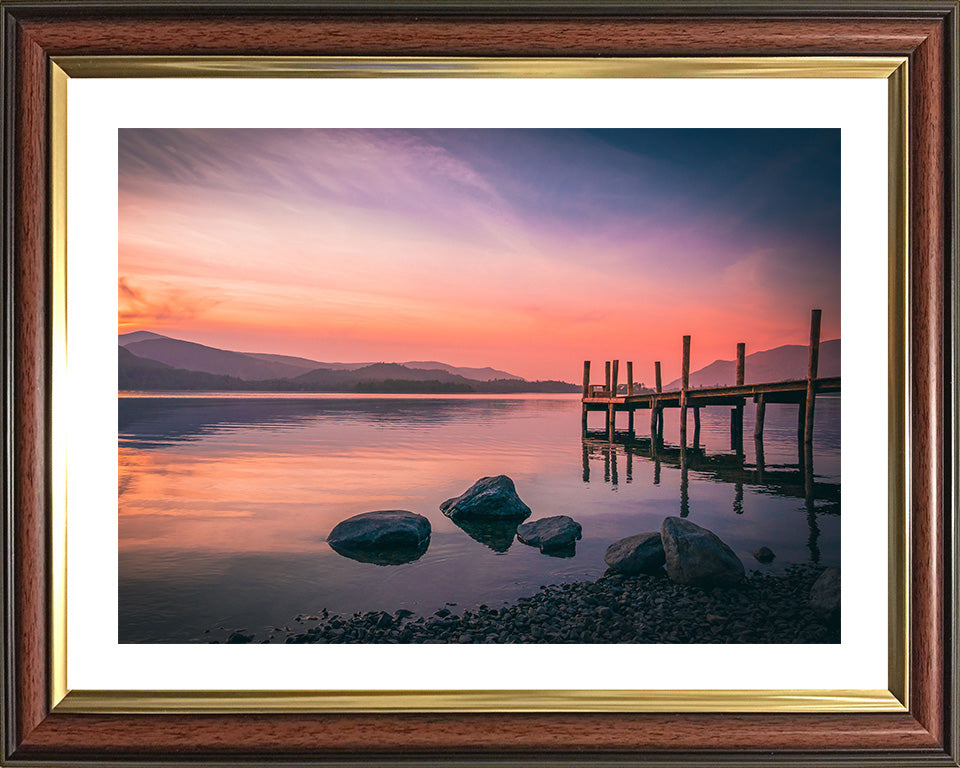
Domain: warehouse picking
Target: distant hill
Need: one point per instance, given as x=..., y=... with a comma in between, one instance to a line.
x=477, y=374
x=784, y=363
x=260, y=366
x=304, y=363
x=474, y=374
x=378, y=372
x=199, y=357
x=137, y=373
x=129, y=338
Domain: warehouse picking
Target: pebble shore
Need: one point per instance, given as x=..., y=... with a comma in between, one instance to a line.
x=765, y=608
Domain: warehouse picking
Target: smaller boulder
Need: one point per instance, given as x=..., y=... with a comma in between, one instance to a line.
x=764, y=555
x=385, y=537
x=825, y=595
x=697, y=557
x=490, y=498
x=551, y=534
x=642, y=553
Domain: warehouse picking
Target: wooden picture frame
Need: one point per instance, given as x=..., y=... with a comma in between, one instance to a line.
x=38, y=732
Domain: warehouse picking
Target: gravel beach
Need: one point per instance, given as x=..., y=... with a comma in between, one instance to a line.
x=764, y=608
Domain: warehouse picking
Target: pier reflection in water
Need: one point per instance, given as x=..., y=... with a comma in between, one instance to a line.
x=790, y=480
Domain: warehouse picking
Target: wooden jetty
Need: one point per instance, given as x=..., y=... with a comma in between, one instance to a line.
x=607, y=397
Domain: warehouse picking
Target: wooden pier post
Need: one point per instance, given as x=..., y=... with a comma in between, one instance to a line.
x=801, y=424
x=758, y=433
x=761, y=413
x=738, y=411
x=612, y=409
x=586, y=394
x=656, y=415
x=696, y=426
x=630, y=393
x=606, y=385
x=586, y=462
x=684, y=487
x=685, y=382
x=812, y=365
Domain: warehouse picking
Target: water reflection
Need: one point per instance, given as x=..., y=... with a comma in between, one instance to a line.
x=498, y=535
x=820, y=497
x=386, y=556
x=225, y=504
x=150, y=421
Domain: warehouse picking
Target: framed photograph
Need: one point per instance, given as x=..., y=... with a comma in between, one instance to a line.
x=395, y=384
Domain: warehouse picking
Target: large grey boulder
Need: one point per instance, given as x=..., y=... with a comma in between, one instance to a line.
x=825, y=594
x=551, y=534
x=490, y=498
x=697, y=557
x=642, y=553
x=385, y=537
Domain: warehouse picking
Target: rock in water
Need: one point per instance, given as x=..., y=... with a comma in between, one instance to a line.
x=489, y=497
x=696, y=556
x=764, y=555
x=551, y=534
x=386, y=537
x=825, y=594
x=642, y=553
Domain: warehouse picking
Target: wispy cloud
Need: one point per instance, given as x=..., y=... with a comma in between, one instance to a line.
x=160, y=305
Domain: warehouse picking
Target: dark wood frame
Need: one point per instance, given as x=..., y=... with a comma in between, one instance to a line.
x=926, y=32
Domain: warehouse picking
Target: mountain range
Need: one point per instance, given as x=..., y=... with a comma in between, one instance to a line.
x=258, y=366
x=784, y=363
x=149, y=361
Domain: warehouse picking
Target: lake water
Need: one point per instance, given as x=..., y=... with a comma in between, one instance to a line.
x=225, y=502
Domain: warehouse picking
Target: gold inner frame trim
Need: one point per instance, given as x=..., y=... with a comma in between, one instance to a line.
x=893, y=69
x=58, y=369
x=543, y=701
x=430, y=66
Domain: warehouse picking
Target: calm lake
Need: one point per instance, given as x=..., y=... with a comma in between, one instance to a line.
x=225, y=502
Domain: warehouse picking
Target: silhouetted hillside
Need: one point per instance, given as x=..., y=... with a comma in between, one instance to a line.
x=784, y=363
x=137, y=373
x=259, y=366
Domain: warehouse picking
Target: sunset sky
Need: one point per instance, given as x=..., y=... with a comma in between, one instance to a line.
x=527, y=250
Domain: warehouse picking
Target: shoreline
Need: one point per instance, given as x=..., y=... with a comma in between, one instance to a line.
x=765, y=608
x=186, y=394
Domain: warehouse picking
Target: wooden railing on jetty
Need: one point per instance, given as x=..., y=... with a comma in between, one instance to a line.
x=803, y=392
